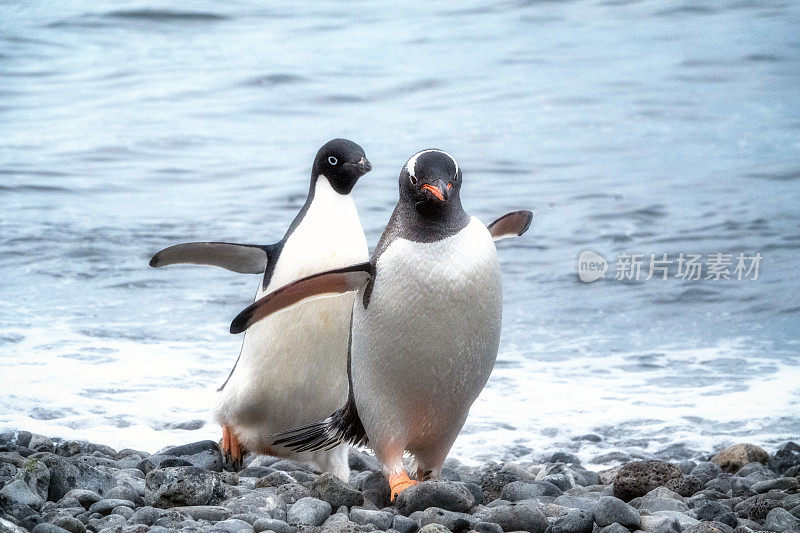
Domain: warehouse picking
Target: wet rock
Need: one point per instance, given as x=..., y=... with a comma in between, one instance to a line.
x=735, y=457
x=614, y=528
x=640, y=477
x=271, y=524
x=112, y=520
x=686, y=485
x=683, y=519
x=442, y=494
x=709, y=527
x=786, y=458
x=487, y=527
x=360, y=461
x=662, y=499
x=291, y=492
x=308, y=512
x=105, y=506
x=212, y=513
x=73, y=525
x=258, y=502
x=85, y=497
x=450, y=519
x=706, y=471
x=669, y=525
x=48, y=528
x=40, y=443
x=204, y=454
x=403, y=524
x=336, y=492
x=757, y=507
x=256, y=471
x=36, y=475
x=145, y=515
x=779, y=519
x=514, y=518
x=522, y=490
x=610, y=510
x=183, y=485
x=781, y=483
x=576, y=502
x=434, y=528
x=575, y=521
x=19, y=492
x=233, y=525
x=494, y=477
x=381, y=519
x=275, y=479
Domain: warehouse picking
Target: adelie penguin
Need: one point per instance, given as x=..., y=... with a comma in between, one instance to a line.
x=290, y=369
x=425, y=325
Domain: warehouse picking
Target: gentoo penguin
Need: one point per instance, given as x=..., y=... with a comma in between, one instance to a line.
x=277, y=382
x=425, y=325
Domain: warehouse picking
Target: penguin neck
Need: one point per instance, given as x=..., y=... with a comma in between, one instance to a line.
x=423, y=224
x=323, y=197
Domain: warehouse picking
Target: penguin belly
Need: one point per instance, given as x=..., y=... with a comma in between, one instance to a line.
x=293, y=365
x=424, y=347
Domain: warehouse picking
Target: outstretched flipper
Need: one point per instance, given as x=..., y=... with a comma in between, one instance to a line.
x=243, y=258
x=330, y=282
x=511, y=224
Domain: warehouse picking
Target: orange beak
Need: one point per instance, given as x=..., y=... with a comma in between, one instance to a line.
x=434, y=191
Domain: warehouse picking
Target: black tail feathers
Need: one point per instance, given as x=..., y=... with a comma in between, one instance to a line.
x=342, y=426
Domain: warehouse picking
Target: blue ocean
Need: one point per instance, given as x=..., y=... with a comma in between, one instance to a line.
x=651, y=129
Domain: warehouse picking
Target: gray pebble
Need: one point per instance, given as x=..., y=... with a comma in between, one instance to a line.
x=232, y=525
x=611, y=510
x=309, y=512
x=487, y=527
x=451, y=496
x=48, y=528
x=73, y=525
x=336, y=492
x=271, y=524
x=381, y=519
x=669, y=525
x=145, y=515
x=515, y=518
x=779, y=519
x=451, y=520
x=521, y=490
x=36, y=474
x=781, y=483
x=21, y=493
x=575, y=521
x=615, y=528
x=85, y=497
x=183, y=485
x=434, y=528
x=106, y=506
x=403, y=524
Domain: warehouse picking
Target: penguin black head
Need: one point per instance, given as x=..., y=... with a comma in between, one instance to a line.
x=431, y=179
x=342, y=162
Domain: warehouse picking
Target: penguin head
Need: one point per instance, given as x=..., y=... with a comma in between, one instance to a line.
x=431, y=179
x=342, y=162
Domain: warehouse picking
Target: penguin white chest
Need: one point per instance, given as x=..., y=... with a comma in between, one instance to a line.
x=426, y=343
x=276, y=384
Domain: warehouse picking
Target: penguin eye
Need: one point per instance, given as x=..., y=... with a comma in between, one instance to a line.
x=413, y=180
x=332, y=160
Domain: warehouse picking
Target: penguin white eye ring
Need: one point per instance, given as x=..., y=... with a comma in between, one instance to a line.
x=332, y=160
x=413, y=179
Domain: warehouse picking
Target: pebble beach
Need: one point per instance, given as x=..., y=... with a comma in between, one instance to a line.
x=55, y=485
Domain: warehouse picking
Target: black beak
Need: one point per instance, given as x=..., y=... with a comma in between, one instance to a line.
x=364, y=165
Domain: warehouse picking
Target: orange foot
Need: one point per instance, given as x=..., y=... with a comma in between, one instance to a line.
x=232, y=449
x=399, y=482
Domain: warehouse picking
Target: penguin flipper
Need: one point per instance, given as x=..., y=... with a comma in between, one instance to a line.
x=242, y=258
x=331, y=282
x=511, y=224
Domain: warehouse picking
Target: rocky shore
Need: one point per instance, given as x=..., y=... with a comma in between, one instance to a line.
x=53, y=485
